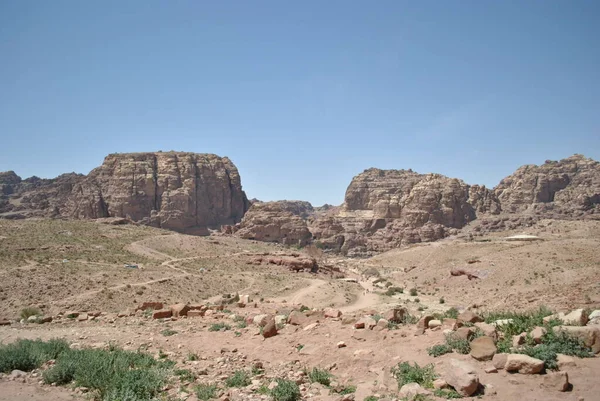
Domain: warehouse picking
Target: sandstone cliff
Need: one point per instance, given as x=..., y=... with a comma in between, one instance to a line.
x=185, y=192
x=281, y=221
x=385, y=209
x=569, y=187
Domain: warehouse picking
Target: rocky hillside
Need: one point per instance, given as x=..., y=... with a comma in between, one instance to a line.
x=185, y=192
x=283, y=222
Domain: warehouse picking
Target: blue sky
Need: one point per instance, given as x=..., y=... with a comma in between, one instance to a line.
x=302, y=96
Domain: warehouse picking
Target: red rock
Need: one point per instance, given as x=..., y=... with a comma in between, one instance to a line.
x=297, y=318
x=195, y=313
x=333, y=313
x=270, y=329
x=150, y=305
x=162, y=314
x=469, y=317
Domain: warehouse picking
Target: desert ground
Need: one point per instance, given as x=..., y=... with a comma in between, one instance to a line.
x=91, y=277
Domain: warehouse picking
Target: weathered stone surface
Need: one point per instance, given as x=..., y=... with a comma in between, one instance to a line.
x=499, y=360
x=567, y=187
x=270, y=329
x=462, y=376
x=537, y=334
x=162, y=314
x=488, y=329
x=463, y=333
x=483, y=348
x=395, y=315
x=384, y=209
x=523, y=364
x=185, y=192
x=281, y=221
x=180, y=309
x=261, y=320
x=333, y=313
x=150, y=305
x=297, y=318
x=411, y=390
x=564, y=361
x=558, y=381
x=469, y=317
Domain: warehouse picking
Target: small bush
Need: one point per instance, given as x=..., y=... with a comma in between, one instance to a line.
x=406, y=373
x=31, y=311
x=413, y=292
x=459, y=345
x=219, y=327
x=439, y=350
x=521, y=322
x=286, y=390
x=238, y=379
x=27, y=355
x=320, y=376
x=347, y=390
x=371, y=398
x=557, y=343
x=442, y=301
x=185, y=375
x=391, y=291
x=206, y=392
x=192, y=356
x=304, y=308
x=168, y=332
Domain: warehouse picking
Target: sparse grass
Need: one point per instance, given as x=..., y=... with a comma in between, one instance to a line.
x=299, y=347
x=30, y=311
x=406, y=373
x=192, y=356
x=321, y=376
x=371, y=398
x=219, y=327
x=286, y=390
x=168, y=332
x=304, y=308
x=185, y=375
x=239, y=378
x=439, y=350
x=206, y=392
x=347, y=390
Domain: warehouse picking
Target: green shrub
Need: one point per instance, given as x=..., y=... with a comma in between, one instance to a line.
x=439, y=350
x=556, y=343
x=219, y=327
x=27, y=355
x=442, y=300
x=347, y=390
x=185, y=375
x=30, y=311
x=206, y=392
x=393, y=291
x=239, y=378
x=320, y=376
x=286, y=390
x=521, y=321
x=371, y=398
x=413, y=292
x=168, y=332
x=459, y=345
x=406, y=373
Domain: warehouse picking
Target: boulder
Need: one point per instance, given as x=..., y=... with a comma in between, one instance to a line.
x=433, y=324
x=488, y=329
x=558, y=381
x=260, y=320
x=463, y=333
x=366, y=322
x=483, y=348
x=523, y=364
x=297, y=318
x=499, y=361
x=462, y=376
x=180, y=309
x=594, y=318
x=564, y=361
x=411, y=390
x=469, y=317
x=270, y=328
x=162, y=314
x=537, y=334
x=332, y=313
x=519, y=340
x=423, y=322
x=396, y=315
x=578, y=317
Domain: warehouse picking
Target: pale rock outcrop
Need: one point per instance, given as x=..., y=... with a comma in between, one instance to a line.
x=523, y=364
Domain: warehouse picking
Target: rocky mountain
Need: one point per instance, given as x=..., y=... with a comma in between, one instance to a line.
x=569, y=187
x=284, y=222
x=384, y=209
x=185, y=192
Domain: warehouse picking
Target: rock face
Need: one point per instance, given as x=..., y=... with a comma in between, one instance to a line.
x=282, y=221
x=385, y=209
x=185, y=192
x=569, y=187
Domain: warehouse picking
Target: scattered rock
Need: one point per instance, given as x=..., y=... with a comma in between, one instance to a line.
x=590, y=335
x=491, y=369
x=523, y=364
x=333, y=313
x=150, y=305
x=488, y=329
x=411, y=390
x=462, y=376
x=440, y=383
x=537, y=334
x=564, y=361
x=341, y=344
x=499, y=360
x=269, y=329
x=483, y=348
x=297, y=318
x=261, y=320
x=463, y=333
x=433, y=324
x=162, y=314
x=519, y=339
x=395, y=315
x=558, y=381
x=469, y=317
x=180, y=309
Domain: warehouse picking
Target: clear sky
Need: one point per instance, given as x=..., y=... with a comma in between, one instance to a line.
x=301, y=95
